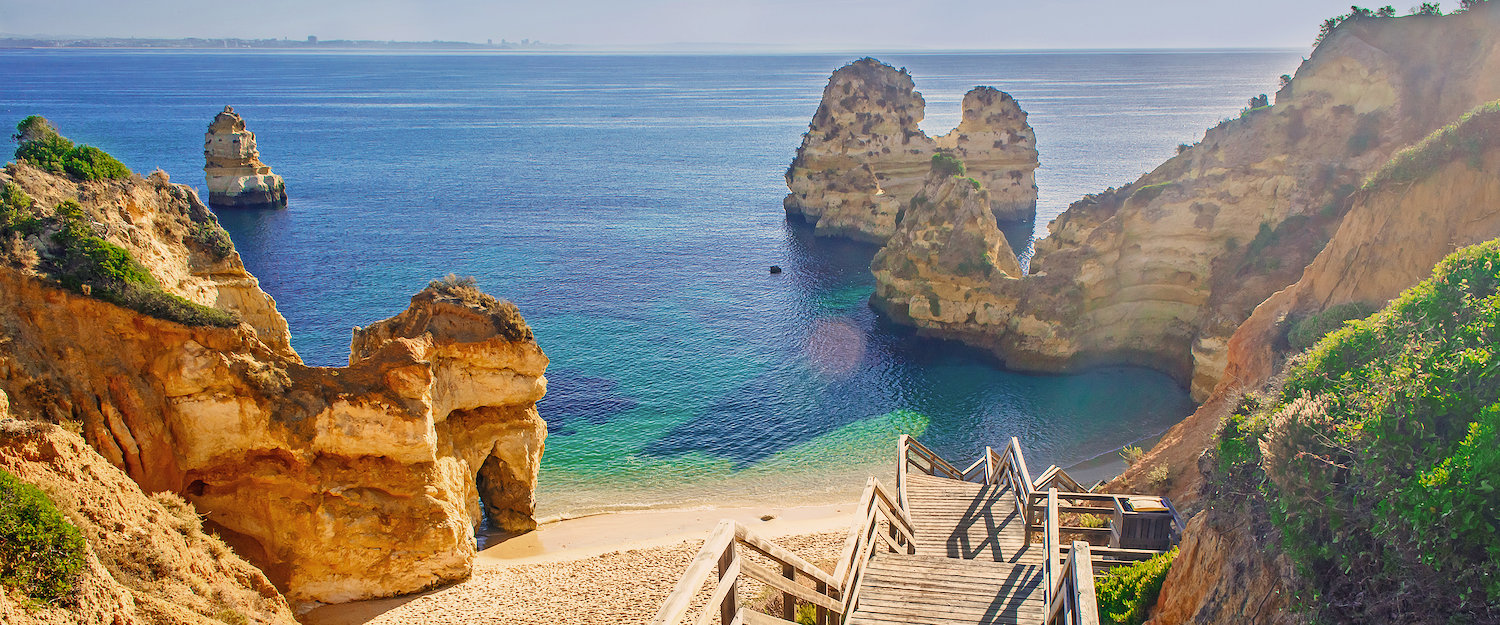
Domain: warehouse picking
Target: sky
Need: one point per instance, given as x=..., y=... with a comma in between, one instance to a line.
x=787, y=24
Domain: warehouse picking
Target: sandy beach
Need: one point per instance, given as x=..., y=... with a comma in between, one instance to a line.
x=608, y=568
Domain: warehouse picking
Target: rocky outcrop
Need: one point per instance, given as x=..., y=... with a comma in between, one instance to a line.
x=147, y=559
x=936, y=271
x=1223, y=576
x=1390, y=239
x=999, y=148
x=1160, y=273
x=236, y=177
x=339, y=483
x=1429, y=201
x=169, y=230
x=864, y=156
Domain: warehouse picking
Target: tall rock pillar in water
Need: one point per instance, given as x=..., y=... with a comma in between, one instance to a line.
x=236, y=177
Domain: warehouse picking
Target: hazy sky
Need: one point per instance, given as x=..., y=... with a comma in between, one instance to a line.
x=803, y=24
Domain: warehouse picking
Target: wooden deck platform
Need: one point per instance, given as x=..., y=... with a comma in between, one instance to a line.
x=972, y=563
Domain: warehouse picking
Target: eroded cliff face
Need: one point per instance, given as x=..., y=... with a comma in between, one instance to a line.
x=936, y=270
x=147, y=558
x=339, y=483
x=236, y=177
x=864, y=156
x=1160, y=273
x=163, y=225
x=1389, y=240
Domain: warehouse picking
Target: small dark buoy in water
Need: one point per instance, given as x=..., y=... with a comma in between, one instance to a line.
x=775, y=269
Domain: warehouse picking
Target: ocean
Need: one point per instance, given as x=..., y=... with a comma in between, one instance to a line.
x=630, y=205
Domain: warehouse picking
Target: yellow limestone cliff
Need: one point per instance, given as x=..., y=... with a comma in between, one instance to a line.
x=236, y=177
x=864, y=156
x=147, y=559
x=1160, y=273
x=936, y=270
x=339, y=483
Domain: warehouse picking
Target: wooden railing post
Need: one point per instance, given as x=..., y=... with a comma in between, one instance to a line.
x=788, y=601
x=1083, y=580
x=731, y=605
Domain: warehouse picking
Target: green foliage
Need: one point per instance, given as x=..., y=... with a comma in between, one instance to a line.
x=1127, y=593
x=86, y=263
x=1132, y=454
x=42, y=147
x=946, y=164
x=807, y=614
x=212, y=239
x=1378, y=456
x=1149, y=192
x=41, y=553
x=1257, y=104
x=1468, y=138
x=1427, y=8
x=1092, y=520
x=973, y=182
x=1355, y=13
x=1310, y=329
x=504, y=315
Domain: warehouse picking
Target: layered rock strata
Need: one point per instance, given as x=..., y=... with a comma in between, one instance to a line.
x=147, y=559
x=339, y=483
x=1160, y=273
x=236, y=177
x=864, y=156
x=936, y=271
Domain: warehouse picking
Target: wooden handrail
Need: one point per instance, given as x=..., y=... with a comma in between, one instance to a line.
x=1072, y=600
x=719, y=552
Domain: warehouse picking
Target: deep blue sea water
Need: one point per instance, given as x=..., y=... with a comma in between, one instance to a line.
x=630, y=206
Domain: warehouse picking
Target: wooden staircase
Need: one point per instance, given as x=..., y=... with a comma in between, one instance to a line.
x=950, y=547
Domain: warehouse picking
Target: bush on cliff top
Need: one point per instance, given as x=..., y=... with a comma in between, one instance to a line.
x=44, y=148
x=86, y=263
x=1308, y=330
x=503, y=314
x=41, y=553
x=945, y=164
x=1126, y=594
x=1468, y=138
x=1378, y=457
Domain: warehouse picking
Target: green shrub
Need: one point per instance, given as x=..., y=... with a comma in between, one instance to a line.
x=1149, y=192
x=503, y=315
x=41, y=553
x=1127, y=593
x=1132, y=454
x=1308, y=330
x=1468, y=138
x=42, y=147
x=212, y=239
x=1377, y=457
x=807, y=614
x=945, y=164
x=973, y=182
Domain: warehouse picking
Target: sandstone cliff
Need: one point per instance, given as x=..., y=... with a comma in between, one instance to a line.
x=1430, y=200
x=339, y=483
x=1160, y=273
x=864, y=156
x=148, y=559
x=236, y=177
x=936, y=270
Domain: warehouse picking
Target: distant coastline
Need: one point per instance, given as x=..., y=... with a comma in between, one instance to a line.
x=310, y=43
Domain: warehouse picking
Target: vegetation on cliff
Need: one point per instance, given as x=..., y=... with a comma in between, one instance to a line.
x=41, y=553
x=1126, y=593
x=1376, y=457
x=62, y=244
x=1468, y=139
x=44, y=148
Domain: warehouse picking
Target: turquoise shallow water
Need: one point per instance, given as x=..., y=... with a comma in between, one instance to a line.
x=630, y=205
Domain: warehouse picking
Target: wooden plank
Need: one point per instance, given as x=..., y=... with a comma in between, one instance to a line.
x=774, y=580
x=1088, y=605
x=676, y=604
x=851, y=542
x=725, y=586
x=778, y=553
x=751, y=617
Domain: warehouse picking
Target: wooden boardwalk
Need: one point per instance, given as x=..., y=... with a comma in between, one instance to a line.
x=972, y=563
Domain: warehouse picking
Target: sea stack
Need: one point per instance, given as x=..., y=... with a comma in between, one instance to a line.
x=864, y=155
x=236, y=177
